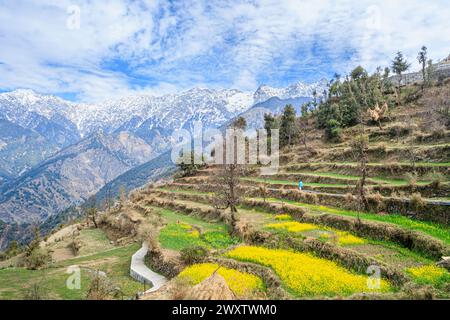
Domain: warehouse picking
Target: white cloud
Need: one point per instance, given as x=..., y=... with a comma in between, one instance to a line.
x=164, y=47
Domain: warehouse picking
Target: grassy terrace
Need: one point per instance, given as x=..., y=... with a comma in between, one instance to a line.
x=287, y=182
x=379, y=180
x=384, y=251
x=375, y=164
x=184, y=231
x=14, y=282
x=432, y=229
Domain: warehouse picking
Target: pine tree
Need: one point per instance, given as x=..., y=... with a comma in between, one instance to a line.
x=422, y=58
x=239, y=123
x=400, y=65
x=269, y=123
x=288, y=130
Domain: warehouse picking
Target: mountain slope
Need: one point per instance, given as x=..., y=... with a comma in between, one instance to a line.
x=70, y=176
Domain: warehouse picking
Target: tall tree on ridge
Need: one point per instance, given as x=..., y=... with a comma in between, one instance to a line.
x=288, y=129
x=399, y=65
x=422, y=58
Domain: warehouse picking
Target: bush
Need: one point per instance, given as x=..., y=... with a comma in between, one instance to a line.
x=100, y=288
x=411, y=179
x=332, y=130
x=37, y=291
x=192, y=255
x=75, y=246
x=417, y=201
x=436, y=179
x=37, y=258
x=148, y=233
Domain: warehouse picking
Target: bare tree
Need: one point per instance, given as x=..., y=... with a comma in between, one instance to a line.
x=91, y=211
x=262, y=187
x=227, y=180
x=360, y=146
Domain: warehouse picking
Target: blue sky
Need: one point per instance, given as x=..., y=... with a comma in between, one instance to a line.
x=94, y=50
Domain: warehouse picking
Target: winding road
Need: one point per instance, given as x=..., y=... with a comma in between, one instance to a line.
x=140, y=272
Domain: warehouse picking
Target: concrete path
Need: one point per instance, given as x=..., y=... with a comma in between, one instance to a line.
x=140, y=272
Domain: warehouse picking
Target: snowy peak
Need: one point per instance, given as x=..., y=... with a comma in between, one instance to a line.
x=295, y=90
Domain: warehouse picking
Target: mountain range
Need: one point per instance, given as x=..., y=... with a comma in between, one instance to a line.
x=56, y=153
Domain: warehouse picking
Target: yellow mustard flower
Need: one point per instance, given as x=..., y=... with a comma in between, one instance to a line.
x=305, y=274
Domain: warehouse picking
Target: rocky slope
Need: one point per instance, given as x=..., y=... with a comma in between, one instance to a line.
x=70, y=176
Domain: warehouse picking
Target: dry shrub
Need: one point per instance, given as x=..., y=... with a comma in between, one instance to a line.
x=417, y=201
x=381, y=148
x=180, y=289
x=100, y=288
x=38, y=258
x=127, y=226
x=37, y=291
x=399, y=129
x=411, y=178
x=136, y=196
x=436, y=179
x=349, y=197
x=149, y=234
x=350, y=200
x=75, y=246
x=213, y=288
x=413, y=291
x=193, y=255
x=379, y=201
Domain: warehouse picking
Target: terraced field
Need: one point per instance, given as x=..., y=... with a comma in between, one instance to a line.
x=17, y=283
x=314, y=243
x=394, y=257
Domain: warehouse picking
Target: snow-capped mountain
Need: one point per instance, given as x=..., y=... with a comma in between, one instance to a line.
x=171, y=111
x=35, y=126
x=295, y=90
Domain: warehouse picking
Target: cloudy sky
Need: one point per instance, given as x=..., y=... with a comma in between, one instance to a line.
x=88, y=50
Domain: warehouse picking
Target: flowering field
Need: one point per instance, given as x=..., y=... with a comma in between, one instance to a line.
x=292, y=226
x=242, y=284
x=281, y=217
x=430, y=274
x=304, y=274
x=342, y=238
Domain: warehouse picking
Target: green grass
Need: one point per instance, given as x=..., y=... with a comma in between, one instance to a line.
x=287, y=182
x=171, y=216
x=327, y=175
x=194, y=192
x=378, y=180
x=420, y=164
x=181, y=232
x=14, y=282
x=430, y=274
x=93, y=240
x=433, y=229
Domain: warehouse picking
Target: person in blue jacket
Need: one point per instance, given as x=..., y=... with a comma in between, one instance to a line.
x=300, y=185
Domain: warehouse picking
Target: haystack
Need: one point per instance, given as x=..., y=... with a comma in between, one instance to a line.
x=213, y=288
